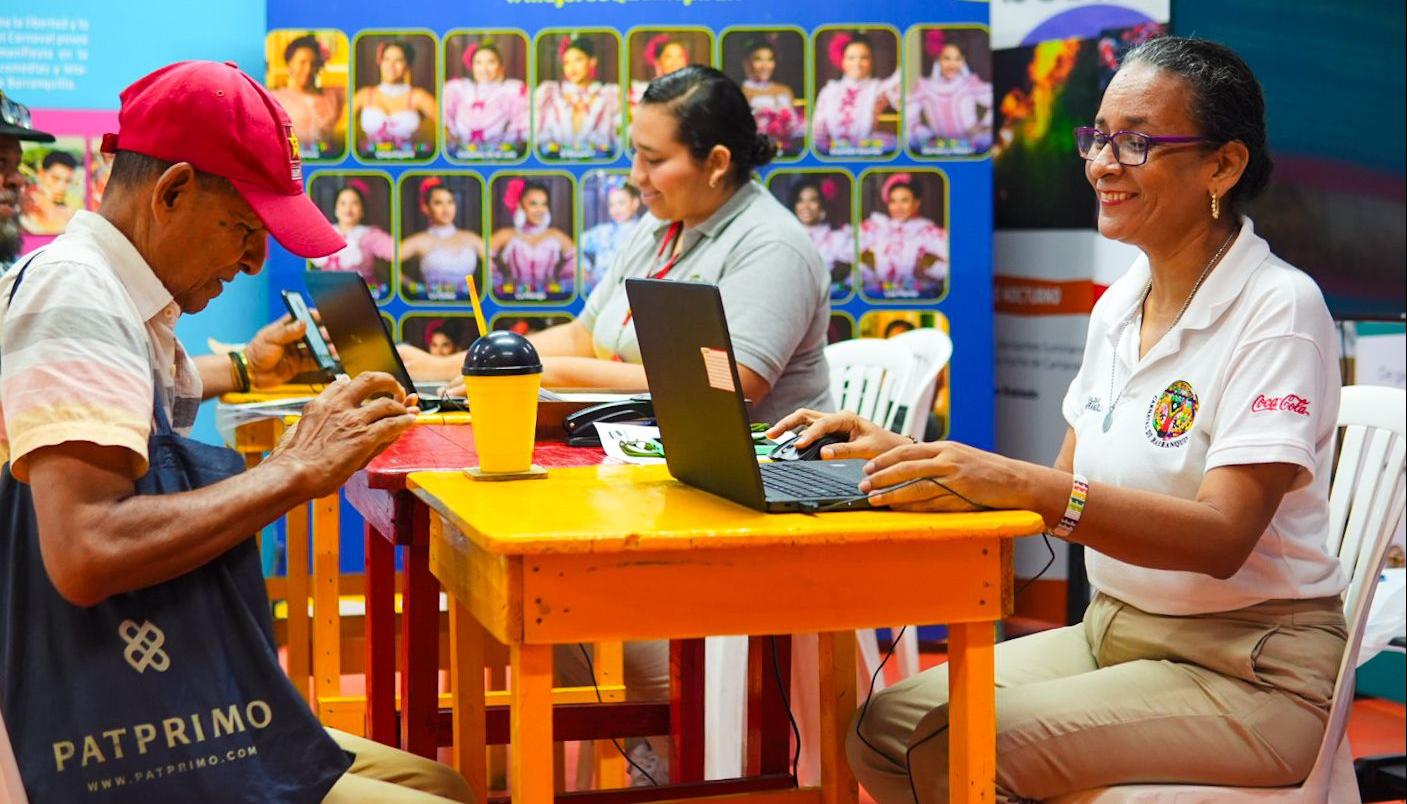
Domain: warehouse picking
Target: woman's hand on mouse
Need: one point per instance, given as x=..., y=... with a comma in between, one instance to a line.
x=864, y=438
x=966, y=478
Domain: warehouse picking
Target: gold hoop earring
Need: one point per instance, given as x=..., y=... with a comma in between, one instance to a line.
x=1216, y=207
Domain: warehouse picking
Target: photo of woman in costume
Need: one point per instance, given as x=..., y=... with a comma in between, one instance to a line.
x=486, y=96
x=610, y=209
x=653, y=53
x=439, y=334
x=533, y=260
x=948, y=107
x=394, y=111
x=359, y=206
x=857, y=114
x=770, y=67
x=308, y=77
x=577, y=100
x=444, y=215
x=820, y=199
x=903, y=251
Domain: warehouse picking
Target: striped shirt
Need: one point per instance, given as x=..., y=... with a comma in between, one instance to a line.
x=88, y=337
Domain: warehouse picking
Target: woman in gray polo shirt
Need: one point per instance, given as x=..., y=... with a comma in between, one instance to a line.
x=696, y=146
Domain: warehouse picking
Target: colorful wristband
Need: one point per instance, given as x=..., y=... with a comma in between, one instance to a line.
x=1079, y=491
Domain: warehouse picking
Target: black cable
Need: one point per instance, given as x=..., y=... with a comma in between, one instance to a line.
x=592, y=670
x=786, y=702
x=838, y=504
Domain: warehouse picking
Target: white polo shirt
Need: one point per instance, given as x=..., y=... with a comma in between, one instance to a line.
x=1249, y=375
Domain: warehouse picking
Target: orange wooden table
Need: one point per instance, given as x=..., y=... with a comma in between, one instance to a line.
x=571, y=559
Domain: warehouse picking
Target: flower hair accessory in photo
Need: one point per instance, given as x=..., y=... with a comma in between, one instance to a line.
x=565, y=43
x=933, y=42
x=431, y=327
x=835, y=52
x=653, y=48
x=473, y=48
x=830, y=188
x=513, y=193
x=427, y=186
x=360, y=186
x=892, y=181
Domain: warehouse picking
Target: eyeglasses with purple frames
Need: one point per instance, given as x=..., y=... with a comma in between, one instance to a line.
x=1130, y=147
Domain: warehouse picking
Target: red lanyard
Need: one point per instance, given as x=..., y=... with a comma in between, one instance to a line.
x=671, y=237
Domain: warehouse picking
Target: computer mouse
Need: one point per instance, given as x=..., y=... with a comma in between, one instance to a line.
x=811, y=452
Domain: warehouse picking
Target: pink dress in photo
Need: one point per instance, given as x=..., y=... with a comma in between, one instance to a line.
x=485, y=119
x=950, y=115
x=365, y=245
x=575, y=121
x=845, y=116
x=898, y=248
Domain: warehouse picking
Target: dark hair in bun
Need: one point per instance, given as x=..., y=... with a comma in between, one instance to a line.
x=709, y=110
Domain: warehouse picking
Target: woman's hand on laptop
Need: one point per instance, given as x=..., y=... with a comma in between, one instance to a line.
x=956, y=477
x=864, y=438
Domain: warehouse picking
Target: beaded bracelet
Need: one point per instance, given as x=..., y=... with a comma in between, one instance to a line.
x=1079, y=491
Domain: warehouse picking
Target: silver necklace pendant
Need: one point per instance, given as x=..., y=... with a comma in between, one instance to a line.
x=1108, y=420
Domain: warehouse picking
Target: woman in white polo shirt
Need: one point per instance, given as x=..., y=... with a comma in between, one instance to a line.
x=1195, y=471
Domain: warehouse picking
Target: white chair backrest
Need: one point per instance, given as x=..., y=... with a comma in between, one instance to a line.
x=933, y=348
x=870, y=376
x=1365, y=504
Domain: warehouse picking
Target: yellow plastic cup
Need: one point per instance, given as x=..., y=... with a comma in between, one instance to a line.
x=504, y=411
x=502, y=374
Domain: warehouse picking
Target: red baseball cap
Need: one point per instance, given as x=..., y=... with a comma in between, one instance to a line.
x=224, y=123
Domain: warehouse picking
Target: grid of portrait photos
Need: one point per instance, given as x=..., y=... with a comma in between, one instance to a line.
x=503, y=155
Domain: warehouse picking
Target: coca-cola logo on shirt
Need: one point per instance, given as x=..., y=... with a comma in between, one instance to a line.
x=1291, y=403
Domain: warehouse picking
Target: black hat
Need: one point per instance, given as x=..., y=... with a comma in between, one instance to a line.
x=15, y=121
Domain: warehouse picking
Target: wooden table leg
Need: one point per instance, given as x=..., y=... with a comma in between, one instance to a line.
x=686, y=710
x=380, y=624
x=467, y=669
x=530, y=775
x=420, y=643
x=299, y=639
x=327, y=614
x=768, y=729
x=837, y=661
x=610, y=670
x=972, y=713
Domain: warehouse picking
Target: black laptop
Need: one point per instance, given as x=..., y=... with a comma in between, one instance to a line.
x=701, y=412
x=350, y=316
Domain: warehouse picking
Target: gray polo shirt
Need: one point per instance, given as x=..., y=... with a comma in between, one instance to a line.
x=775, y=289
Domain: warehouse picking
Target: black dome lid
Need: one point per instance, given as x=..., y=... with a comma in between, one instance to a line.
x=501, y=353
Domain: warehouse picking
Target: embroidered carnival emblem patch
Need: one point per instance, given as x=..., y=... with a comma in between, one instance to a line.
x=1171, y=415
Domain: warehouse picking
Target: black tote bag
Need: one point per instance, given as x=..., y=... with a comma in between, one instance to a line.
x=169, y=693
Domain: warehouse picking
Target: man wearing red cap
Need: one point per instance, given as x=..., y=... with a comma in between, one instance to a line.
x=96, y=396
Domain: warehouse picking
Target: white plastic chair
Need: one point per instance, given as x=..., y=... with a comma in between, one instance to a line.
x=933, y=348
x=891, y=382
x=1365, y=505
x=871, y=377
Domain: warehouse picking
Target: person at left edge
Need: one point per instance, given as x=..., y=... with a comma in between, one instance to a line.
x=15, y=126
x=89, y=358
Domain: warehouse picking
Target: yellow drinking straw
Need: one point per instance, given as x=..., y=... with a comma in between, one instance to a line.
x=474, y=300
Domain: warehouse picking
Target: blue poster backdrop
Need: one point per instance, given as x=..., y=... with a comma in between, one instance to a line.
x=505, y=101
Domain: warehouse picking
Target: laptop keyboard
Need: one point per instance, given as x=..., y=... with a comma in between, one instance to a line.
x=802, y=479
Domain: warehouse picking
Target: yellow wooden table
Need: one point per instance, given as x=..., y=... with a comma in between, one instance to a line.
x=626, y=552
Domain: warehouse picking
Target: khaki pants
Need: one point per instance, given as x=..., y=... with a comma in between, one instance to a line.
x=1234, y=698
x=384, y=774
